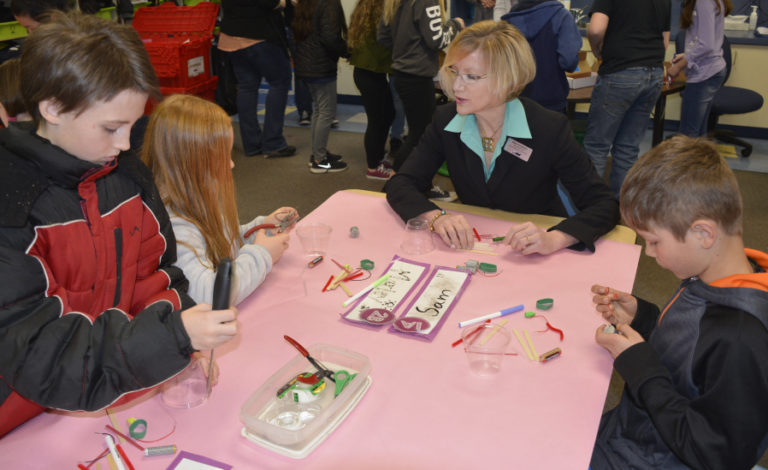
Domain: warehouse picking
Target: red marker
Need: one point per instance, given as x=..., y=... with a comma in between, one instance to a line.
x=327, y=284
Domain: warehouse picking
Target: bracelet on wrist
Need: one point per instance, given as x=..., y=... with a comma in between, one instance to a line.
x=434, y=219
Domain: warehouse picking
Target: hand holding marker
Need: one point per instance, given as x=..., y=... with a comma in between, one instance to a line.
x=221, y=289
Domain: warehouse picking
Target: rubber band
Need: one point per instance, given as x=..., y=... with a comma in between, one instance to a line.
x=137, y=428
x=545, y=304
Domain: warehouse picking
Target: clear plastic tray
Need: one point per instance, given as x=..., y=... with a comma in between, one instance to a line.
x=262, y=408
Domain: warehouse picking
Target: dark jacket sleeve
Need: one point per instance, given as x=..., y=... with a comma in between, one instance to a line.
x=61, y=359
x=598, y=209
x=406, y=189
x=333, y=29
x=726, y=424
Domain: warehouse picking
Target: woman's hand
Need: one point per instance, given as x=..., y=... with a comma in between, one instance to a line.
x=617, y=343
x=282, y=214
x=528, y=238
x=453, y=229
x=275, y=244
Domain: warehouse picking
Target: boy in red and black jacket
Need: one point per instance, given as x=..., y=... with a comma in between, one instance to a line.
x=91, y=308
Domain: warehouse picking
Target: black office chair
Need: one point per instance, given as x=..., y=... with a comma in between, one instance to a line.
x=728, y=100
x=732, y=100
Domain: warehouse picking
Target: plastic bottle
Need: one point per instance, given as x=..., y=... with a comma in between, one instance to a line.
x=753, y=18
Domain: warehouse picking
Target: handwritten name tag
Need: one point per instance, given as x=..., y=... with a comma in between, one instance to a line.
x=431, y=307
x=404, y=276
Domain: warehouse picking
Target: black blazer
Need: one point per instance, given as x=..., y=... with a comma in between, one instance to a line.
x=515, y=185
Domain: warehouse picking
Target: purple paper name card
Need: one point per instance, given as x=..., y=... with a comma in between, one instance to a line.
x=431, y=307
x=404, y=277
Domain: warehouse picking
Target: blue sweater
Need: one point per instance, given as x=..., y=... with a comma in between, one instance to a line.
x=555, y=40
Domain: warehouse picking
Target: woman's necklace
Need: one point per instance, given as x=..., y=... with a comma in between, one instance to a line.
x=488, y=141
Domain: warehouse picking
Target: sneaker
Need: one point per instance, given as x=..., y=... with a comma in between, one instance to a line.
x=387, y=163
x=304, y=118
x=287, y=151
x=379, y=173
x=439, y=195
x=332, y=157
x=327, y=166
x=334, y=123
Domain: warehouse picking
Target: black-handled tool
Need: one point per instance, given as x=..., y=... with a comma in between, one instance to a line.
x=221, y=289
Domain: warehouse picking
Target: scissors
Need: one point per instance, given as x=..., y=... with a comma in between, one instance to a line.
x=290, y=219
x=342, y=379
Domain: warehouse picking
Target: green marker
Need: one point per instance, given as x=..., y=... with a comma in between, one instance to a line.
x=374, y=285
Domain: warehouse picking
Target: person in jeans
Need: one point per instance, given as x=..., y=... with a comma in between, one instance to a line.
x=704, y=22
x=255, y=38
x=320, y=30
x=631, y=38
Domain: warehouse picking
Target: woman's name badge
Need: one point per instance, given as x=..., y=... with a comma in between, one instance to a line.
x=517, y=149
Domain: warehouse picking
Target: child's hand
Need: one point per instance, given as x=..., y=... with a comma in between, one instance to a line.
x=275, y=244
x=282, y=214
x=209, y=329
x=617, y=343
x=615, y=306
x=204, y=361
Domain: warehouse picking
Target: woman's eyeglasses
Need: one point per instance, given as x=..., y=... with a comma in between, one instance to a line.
x=467, y=78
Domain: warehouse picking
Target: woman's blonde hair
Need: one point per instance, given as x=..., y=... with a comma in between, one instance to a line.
x=511, y=65
x=188, y=148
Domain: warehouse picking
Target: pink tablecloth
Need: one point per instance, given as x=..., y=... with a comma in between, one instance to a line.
x=424, y=409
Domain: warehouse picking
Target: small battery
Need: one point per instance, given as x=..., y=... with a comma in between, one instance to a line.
x=160, y=450
x=549, y=355
x=315, y=261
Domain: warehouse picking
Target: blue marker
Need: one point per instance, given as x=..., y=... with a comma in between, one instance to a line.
x=498, y=314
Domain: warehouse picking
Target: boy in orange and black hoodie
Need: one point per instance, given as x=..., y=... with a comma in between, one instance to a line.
x=697, y=372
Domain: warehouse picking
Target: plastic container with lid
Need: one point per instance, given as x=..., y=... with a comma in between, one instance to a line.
x=294, y=427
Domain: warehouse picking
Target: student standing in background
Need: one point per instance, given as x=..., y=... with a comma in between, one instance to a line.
x=705, y=68
x=372, y=62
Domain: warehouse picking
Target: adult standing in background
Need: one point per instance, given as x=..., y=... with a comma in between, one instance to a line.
x=555, y=40
x=30, y=13
x=702, y=59
x=416, y=31
x=254, y=33
x=631, y=39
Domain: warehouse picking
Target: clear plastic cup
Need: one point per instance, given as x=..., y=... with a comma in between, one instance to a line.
x=314, y=238
x=188, y=389
x=485, y=345
x=418, y=238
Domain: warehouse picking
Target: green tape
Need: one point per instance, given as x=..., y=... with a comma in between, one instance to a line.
x=366, y=264
x=487, y=267
x=138, y=429
x=545, y=304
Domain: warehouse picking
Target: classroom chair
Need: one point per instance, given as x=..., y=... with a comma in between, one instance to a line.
x=732, y=100
x=727, y=100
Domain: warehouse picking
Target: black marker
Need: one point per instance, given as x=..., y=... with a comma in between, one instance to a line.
x=221, y=289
